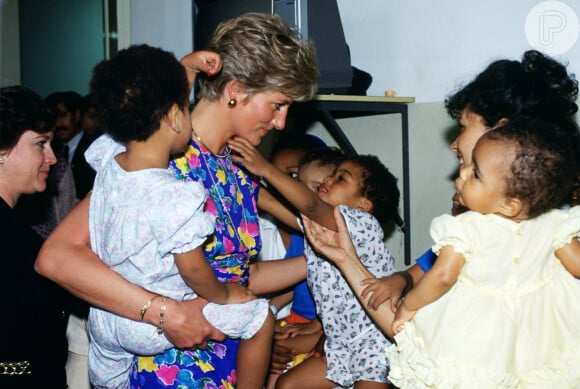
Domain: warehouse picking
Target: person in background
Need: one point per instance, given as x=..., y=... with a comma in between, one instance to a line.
x=71, y=142
x=90, y=122
x=266, y=66
x=32, y=332
x=277, y=238
x=75, y=141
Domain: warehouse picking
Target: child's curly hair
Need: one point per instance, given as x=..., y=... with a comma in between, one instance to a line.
x=379, y=186
x=544, y=164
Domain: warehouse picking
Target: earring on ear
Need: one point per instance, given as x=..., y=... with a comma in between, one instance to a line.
x=232, y=103
x=1, y=160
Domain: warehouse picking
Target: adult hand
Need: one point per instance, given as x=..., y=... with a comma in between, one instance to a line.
x=281, y=354
x=334, y=245
x=186, y=327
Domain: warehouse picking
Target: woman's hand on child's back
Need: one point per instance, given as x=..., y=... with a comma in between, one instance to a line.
x=238, y=294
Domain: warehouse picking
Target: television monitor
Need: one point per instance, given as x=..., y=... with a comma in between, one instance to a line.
x=318, y=20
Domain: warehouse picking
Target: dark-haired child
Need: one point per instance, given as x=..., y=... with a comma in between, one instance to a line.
x=150, y=227
x=500, y=306
x=368, y=197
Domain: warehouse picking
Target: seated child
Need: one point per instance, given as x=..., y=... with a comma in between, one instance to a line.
x=302, y=327
x=148, y=226
x=368, y=196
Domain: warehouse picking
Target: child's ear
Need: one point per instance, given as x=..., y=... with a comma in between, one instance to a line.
x=365, y=205
x=173, y=118
x=511, y=207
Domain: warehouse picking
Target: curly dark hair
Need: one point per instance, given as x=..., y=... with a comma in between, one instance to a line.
x=324, y=156
x=135, y=89
x=543, y=165
x=379, y=186
x=22, y=109
x=537, y=86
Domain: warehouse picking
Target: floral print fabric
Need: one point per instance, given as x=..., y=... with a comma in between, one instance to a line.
x=232, y=199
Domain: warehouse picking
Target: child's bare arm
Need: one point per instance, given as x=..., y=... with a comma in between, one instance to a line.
x=569, y=255
x=303, y=199
x=201, y=61
x=270, y=204
x=198, y=274
x=434, y=284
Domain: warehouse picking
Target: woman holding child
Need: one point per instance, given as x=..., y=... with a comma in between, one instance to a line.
x=265, y=68
x=510, y=288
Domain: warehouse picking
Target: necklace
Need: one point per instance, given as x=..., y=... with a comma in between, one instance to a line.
x=224, y=155
x=216, y=194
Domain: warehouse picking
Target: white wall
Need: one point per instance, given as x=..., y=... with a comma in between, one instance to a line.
x=419, y=48
x=425, y=48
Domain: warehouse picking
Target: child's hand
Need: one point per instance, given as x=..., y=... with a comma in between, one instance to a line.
x=201, y=61
x=238, y=294
x=248, y=156
x=334, y=245
x=402, y=316
x=383, y=289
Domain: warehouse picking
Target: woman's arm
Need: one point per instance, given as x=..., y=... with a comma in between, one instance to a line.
x=67, y=259
x=337, y=246
x=273, y=276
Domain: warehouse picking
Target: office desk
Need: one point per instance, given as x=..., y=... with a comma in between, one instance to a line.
x=330, y=107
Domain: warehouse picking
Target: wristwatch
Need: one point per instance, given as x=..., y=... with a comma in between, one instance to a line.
x=274, y=309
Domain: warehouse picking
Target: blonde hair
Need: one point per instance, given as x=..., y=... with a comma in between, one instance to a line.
x=262, y=52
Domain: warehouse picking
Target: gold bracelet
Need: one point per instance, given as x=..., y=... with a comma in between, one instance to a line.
x=147, y=306
x=162, y=315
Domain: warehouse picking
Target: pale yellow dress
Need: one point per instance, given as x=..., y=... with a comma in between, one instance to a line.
x=512, y=320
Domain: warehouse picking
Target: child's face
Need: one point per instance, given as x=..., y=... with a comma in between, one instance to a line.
x=287, y=160
x=312, y=174
x=481, y=185
x=343, y=186
x=472, y=128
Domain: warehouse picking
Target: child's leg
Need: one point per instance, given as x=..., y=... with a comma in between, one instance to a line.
x=254, y=357
x=371, y=385
x=310, y=374
x=300, y=344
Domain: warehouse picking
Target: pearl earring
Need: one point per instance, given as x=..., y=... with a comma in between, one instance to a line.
x=232, y=103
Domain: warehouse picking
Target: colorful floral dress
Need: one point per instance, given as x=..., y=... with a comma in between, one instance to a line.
x=232, y=199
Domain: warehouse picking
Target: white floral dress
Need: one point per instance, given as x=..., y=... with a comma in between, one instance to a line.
x=354, y=345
